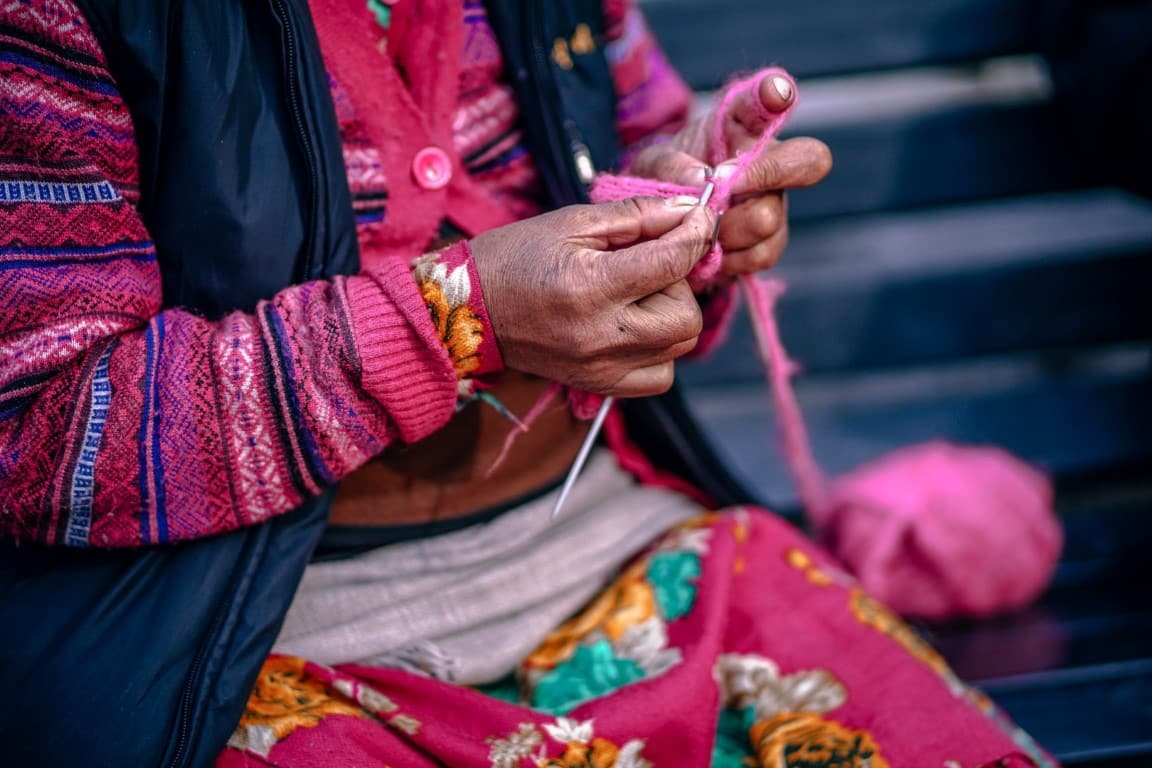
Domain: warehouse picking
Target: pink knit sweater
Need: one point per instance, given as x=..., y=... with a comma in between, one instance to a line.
x=122, y=424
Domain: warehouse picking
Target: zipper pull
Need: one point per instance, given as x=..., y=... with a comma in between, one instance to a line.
x=581, y=155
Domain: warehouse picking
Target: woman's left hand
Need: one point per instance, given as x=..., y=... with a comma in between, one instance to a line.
x=754, y=231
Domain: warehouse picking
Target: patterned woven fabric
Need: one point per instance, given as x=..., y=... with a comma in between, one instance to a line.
x=122, y=424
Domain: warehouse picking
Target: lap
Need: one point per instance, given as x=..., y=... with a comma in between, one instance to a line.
x=731, y=637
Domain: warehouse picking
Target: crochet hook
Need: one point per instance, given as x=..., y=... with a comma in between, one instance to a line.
x=598, y=422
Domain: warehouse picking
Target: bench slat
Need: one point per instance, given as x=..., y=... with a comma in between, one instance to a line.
x=943, y=284
x=940, y=156
x=707, y=40
x=1069, y=425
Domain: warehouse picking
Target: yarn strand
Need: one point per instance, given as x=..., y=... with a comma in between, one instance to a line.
x=760, y=298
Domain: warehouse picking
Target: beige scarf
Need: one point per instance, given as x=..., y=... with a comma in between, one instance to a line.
x=469, y=605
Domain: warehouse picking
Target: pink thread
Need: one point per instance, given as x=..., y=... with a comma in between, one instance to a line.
x=607, y=188
x=522, y=425
x=761, y=296
x=584, y=404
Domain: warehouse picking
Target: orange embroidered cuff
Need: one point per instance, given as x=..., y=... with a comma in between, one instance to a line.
x=450, y=286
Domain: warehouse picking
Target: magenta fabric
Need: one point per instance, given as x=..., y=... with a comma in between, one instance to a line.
x=756, y=624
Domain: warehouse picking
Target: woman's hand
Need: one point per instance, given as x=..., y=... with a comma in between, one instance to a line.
x=594, y=296
x=754, y=231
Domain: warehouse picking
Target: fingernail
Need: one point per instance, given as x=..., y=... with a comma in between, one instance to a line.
x=725, y=170
x=783, y=87
x=682, y=201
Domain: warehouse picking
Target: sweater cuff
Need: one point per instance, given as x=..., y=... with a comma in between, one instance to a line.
x=403, y=364
x=450, y=284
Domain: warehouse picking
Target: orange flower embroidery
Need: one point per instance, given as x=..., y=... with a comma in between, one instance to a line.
x=868, y=611
x=601, y=753
x=627, y=602
x=807, y=740
x=458, y=327
x=286, y=697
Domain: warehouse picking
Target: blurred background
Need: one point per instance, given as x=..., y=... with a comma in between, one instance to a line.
x=977, y=267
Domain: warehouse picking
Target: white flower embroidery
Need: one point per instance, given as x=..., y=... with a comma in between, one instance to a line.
x=566, y=730
x=406, y=723
x=345, y=687
x=646, y=644
x=258, y=739
x=375, y=702
x=456, y=287
x=630, y=757
x=694, y=540
x=509, y=751
x=756, y=681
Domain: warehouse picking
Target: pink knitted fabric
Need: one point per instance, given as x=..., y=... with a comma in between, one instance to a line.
x=609, y=188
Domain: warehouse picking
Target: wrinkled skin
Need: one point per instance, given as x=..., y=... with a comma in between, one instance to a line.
x=594, y=296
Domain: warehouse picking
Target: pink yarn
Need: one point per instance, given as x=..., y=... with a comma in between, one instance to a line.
x=935, y=530
x=522, y=425
x=940, y=530
x=608, y=188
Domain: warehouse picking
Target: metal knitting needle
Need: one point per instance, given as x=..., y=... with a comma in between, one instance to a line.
x=582, y=457
x=598, y=422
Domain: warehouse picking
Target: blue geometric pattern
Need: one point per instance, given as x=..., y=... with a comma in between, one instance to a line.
x=21, y=191
x=83, y=478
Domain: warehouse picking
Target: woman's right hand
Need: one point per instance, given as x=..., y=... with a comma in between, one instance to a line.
x=594, y=296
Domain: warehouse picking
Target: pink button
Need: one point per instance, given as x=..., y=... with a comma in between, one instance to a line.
x=432, y=168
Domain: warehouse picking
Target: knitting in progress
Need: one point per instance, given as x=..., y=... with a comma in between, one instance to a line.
x=933, y=530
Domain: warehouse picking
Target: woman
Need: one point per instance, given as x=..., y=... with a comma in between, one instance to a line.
x=243, y=414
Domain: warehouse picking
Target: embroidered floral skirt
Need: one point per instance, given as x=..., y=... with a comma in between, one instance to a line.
x=732, y=641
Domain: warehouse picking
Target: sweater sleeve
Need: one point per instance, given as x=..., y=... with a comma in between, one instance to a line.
x=123, y=424
x=653, y=102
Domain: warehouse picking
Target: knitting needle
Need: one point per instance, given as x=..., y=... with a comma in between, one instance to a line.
x=582, y=457
x=598, y=422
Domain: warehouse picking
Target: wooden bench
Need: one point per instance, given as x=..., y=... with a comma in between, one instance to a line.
x=964, y=273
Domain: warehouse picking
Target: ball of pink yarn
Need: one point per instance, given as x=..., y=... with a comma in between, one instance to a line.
x=940, y=530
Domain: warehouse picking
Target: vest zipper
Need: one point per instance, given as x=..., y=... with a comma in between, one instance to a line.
x=303, y=134
x=187, y=693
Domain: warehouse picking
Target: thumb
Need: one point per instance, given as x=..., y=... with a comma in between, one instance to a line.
x=608, y=226
x=652, y=266
x=754, y=106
